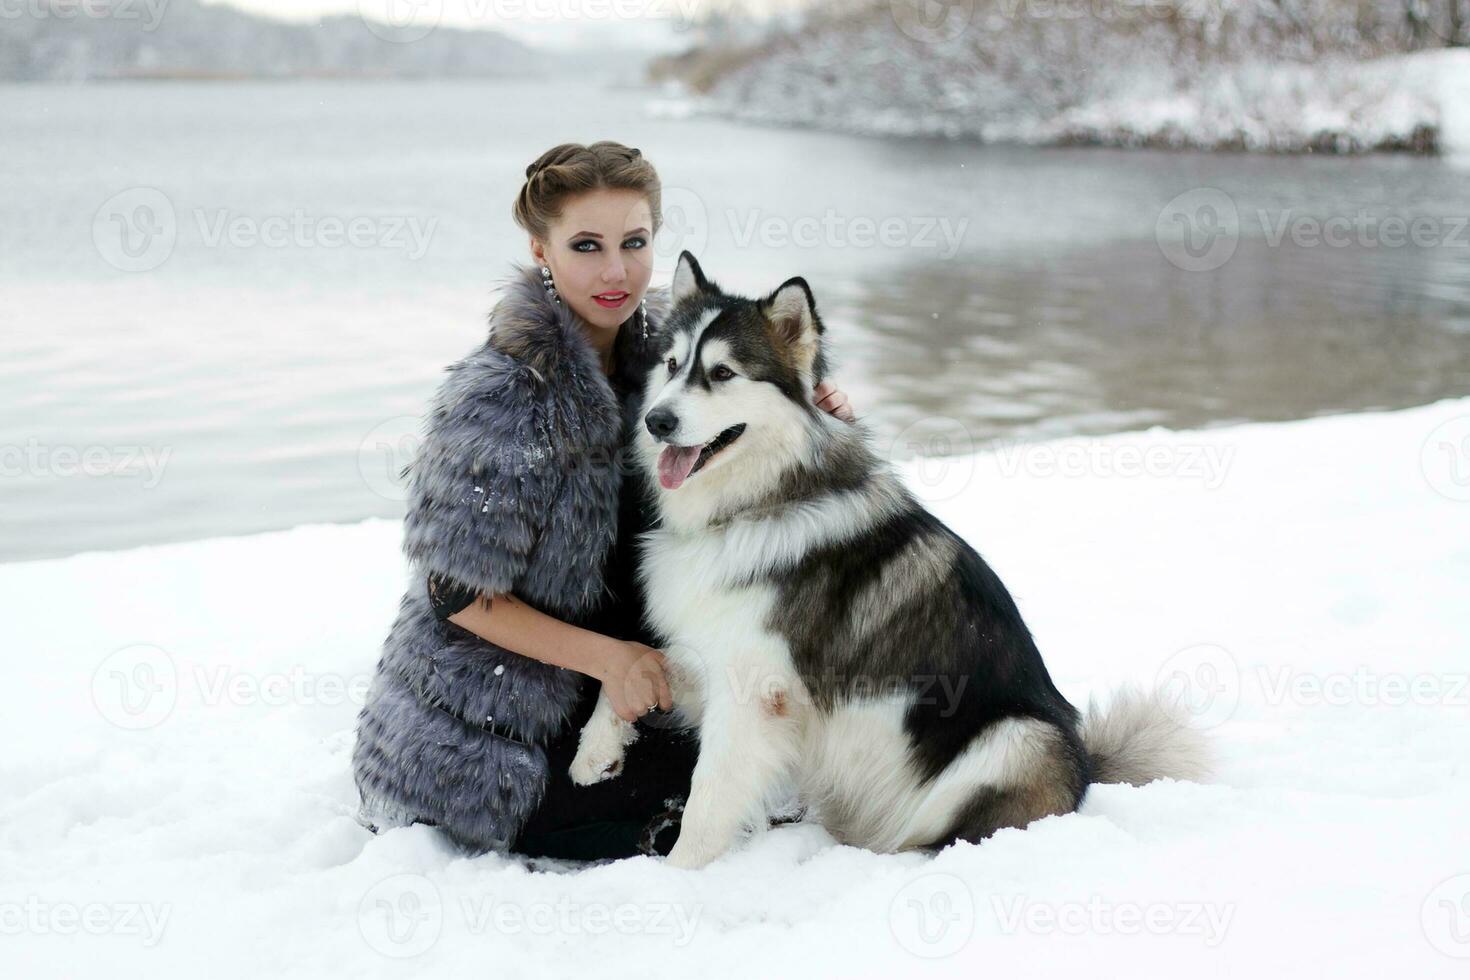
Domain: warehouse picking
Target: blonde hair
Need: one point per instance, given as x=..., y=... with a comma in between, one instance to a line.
x=573, y=168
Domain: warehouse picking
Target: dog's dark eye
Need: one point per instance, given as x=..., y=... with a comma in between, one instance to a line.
x=673, y=365
x=721, y=373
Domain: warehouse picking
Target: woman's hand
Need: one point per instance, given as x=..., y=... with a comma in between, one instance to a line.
x=831, y=399
x=633, y=679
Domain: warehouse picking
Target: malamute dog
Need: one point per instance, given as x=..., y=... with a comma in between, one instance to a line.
x=824, y=630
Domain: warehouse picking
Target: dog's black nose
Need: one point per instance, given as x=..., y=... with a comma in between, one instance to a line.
x=661, y=422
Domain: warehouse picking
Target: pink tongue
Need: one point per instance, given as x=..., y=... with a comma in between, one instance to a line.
x=674, y=464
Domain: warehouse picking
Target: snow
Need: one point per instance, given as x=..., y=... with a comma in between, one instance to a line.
x=1227, y=75
x=1335, y=104
x=179, y=723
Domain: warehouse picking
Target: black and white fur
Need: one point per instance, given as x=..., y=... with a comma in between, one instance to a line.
x=825, y=631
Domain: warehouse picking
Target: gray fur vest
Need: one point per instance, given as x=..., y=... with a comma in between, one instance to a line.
x=515, y=488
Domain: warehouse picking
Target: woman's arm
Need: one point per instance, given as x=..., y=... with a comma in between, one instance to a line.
x=632, y=674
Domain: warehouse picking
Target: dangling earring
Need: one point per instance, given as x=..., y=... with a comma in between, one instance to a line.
x=547, y=284
x=643, y=316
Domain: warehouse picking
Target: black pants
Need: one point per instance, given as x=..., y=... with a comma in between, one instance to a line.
x=618, y=817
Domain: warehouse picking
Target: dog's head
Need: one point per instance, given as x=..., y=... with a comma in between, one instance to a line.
x=731, y=403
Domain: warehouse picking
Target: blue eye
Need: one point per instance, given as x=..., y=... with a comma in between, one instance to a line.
x=637, y=241
x=577, y=246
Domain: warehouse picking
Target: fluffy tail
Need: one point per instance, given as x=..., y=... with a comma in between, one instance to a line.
x=1141, y=737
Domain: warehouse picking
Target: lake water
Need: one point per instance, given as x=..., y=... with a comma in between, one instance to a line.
x=223, y=306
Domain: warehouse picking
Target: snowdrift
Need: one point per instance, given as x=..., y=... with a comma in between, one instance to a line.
x=178, y=722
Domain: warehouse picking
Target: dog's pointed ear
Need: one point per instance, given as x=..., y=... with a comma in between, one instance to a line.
x=791, y=312
x=688, y=279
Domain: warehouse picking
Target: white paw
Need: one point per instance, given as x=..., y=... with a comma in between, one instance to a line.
x=600, y=752
x=593, y=767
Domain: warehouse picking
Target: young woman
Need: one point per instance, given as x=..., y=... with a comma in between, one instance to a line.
x=523, y=513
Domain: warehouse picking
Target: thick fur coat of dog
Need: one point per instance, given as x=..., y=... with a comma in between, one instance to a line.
x=824, y=630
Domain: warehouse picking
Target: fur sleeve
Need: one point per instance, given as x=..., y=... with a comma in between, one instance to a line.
x=485, y=475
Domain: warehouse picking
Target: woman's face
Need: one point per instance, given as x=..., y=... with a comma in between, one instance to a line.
x=600, y=252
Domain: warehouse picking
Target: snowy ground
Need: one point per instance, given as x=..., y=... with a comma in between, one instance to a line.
x=178, y=723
